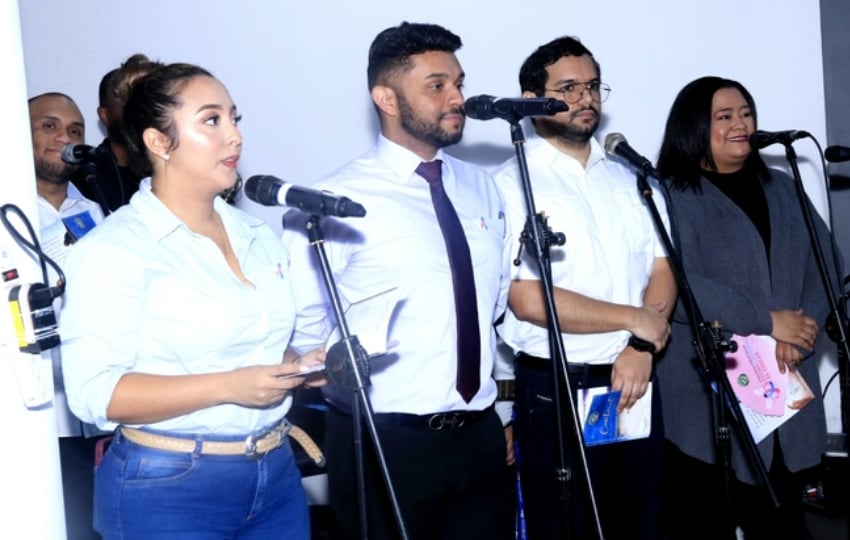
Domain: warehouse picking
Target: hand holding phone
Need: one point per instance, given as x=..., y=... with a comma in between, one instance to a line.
x=304, y=371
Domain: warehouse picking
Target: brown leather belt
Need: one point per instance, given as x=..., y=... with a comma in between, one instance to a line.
x=254, y=445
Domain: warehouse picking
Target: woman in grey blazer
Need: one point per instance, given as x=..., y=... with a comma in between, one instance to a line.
x=748, y=259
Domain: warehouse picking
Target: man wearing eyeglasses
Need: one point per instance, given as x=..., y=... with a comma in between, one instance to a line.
x=611, y=284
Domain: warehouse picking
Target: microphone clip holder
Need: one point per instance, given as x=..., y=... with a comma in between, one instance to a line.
x=548, y=238
x=341, y=371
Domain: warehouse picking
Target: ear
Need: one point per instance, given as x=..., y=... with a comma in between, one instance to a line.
x=157, y=143
x=385, y=99
x=103, y=116
x=529, y=94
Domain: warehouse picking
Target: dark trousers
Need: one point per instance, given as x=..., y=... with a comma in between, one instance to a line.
x=76, y=455
x=625, y=476
x=695, y=505
x=450, y=484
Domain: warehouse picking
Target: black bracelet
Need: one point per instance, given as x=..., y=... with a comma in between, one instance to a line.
x=641, y=345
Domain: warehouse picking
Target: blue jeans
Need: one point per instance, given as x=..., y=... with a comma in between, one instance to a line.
x=148, y=494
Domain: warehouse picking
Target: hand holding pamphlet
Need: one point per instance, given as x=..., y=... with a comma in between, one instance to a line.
x=601, y=423
x=768, y=397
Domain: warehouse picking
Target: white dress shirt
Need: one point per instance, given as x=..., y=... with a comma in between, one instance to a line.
x=67, y=425
x=399, y=243
x=146, y=294
x=73, y=204
x=611, y=241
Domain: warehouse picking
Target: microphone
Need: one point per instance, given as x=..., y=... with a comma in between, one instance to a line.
x=270, y=191
x=616, y=145
x=760, y=139
x=75, y=153
x=486, y=107
x=837, y=154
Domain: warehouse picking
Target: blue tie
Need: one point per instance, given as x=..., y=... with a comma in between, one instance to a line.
x=463, y=281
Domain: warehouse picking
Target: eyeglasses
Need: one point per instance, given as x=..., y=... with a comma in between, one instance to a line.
x=572, y=92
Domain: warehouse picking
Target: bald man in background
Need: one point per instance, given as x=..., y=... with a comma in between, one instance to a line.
x=56, y=121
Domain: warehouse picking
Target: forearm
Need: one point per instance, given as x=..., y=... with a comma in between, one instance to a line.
x=141, y=398
x=577, y=314
x=661, y=289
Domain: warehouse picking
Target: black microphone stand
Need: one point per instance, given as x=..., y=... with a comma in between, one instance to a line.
x=538, y=238
x=348, y=366
x=837, y=330
x=710, y=346
x=838, y=312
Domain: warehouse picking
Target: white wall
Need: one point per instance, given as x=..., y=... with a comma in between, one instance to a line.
x=31, y=489
x=297, y=69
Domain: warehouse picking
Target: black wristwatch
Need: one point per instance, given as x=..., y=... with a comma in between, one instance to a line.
x=641, y=345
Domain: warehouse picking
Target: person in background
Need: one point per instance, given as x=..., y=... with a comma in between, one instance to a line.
x=105, y=176
x=748, y=259
x=435, y=228
x=65, y=215
x=611, y=281
x=179, y=338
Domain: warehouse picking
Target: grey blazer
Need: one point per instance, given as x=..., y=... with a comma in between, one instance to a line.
x=735, y=283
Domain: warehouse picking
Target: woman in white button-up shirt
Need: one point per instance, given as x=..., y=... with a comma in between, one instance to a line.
x=178, y=317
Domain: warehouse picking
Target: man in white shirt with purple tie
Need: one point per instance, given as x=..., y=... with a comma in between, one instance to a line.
x=435, y=228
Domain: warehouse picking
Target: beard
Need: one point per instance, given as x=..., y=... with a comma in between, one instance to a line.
x=53, y=173
x=568, y=132
x=425, y=131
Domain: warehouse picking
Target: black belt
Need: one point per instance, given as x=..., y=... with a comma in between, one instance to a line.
x=448, y=421
x=579, y=370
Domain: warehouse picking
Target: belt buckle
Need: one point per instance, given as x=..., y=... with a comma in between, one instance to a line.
x=252, y=439
x=251, y=445
x=451, y=421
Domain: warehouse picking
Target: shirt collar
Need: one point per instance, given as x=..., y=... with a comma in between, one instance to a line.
x=161, y=221
x=597, y=153
x=73, y=192
x=72, y=197
x=401, y=160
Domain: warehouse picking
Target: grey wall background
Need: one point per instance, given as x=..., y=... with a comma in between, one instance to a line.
x=835, y=34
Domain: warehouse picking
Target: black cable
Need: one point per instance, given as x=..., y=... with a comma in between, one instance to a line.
x=33, y=246
x=826, y=386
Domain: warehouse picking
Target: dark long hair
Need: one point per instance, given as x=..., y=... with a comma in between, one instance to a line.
x=687, y=136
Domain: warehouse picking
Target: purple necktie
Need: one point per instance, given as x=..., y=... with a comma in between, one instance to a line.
x=466, y=310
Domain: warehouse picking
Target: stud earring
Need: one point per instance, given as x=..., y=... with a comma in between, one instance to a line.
x=166, y=157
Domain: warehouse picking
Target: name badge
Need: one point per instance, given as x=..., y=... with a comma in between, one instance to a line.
x=78, y=224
